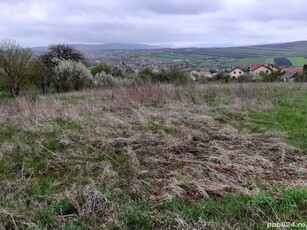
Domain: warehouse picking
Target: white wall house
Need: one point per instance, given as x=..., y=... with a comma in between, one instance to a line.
x=236, y=72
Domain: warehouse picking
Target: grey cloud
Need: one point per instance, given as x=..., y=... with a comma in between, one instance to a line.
x=182, y=7
x=37, y=22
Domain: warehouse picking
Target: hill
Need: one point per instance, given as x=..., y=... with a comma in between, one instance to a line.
x=294, y=54
x=107, y=46
x=269, y=50
x=255, y=50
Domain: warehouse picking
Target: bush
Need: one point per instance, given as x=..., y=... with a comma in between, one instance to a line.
x=145, y=75
x=147, y=71
x=71, y=75
x=100, y=68
x=178, y=76
x=17, y=68
x=103, y=79
x=301, y=78
x=161, y=77
x=194, y=75
x=274, y=76
x=246, y=78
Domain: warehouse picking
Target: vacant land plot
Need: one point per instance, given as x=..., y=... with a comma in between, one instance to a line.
x=155, y=157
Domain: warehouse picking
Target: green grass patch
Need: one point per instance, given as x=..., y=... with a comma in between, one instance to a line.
x=245, y=210
x=298, y=61
x=212, y=101
x=270, y=60
x=245, y=61
x=135, y=218
x=4, y=94
x=7, y=133
x=289, y=116
x=46, y=216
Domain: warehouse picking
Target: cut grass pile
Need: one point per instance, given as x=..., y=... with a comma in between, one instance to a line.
x=153, y=157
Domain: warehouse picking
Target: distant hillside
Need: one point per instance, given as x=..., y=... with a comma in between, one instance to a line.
x=103, y=47
x=270, y=50
x=115, y=46
x=288, y=45
x=244, y=51
x=294, y=52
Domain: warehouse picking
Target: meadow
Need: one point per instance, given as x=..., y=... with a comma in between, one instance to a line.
x=155, y=156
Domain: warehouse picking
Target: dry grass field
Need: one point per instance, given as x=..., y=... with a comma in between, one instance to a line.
x=155, y=157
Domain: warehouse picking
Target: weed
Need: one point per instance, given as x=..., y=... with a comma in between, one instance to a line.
x=134, y=218
x=44, y=218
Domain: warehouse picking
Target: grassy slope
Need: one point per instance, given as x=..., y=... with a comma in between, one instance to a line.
x=242, y=55
x=154, y=157
x=289, y=116
x=246, y=61
x=270, y=60
x=298, y=61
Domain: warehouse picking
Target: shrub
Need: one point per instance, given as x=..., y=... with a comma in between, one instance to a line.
x=147, y=71
x=301, y=78
x=145, y=75
x=257, y=78
x=274, y=76
x=245, y=78
x=17, y=68
x=178, y=76
x=103, y=79
x=194, y=75
x=161, y=77
x=71, y=75
x=100, y=68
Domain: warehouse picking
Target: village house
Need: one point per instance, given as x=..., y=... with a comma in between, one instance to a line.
x=289, y=76
x=237, y=72
x=296, y=70
x=258, y=69
x=274, y=68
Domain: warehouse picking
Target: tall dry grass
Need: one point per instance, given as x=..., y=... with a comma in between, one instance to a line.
x=74, y=105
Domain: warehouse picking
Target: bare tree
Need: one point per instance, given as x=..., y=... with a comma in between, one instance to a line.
x=61, y=52
x=15, y=67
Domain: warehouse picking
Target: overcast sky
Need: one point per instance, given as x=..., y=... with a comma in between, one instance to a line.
x=178, y=22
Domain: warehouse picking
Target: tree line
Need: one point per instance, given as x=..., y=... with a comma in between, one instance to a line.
x=60, y=67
